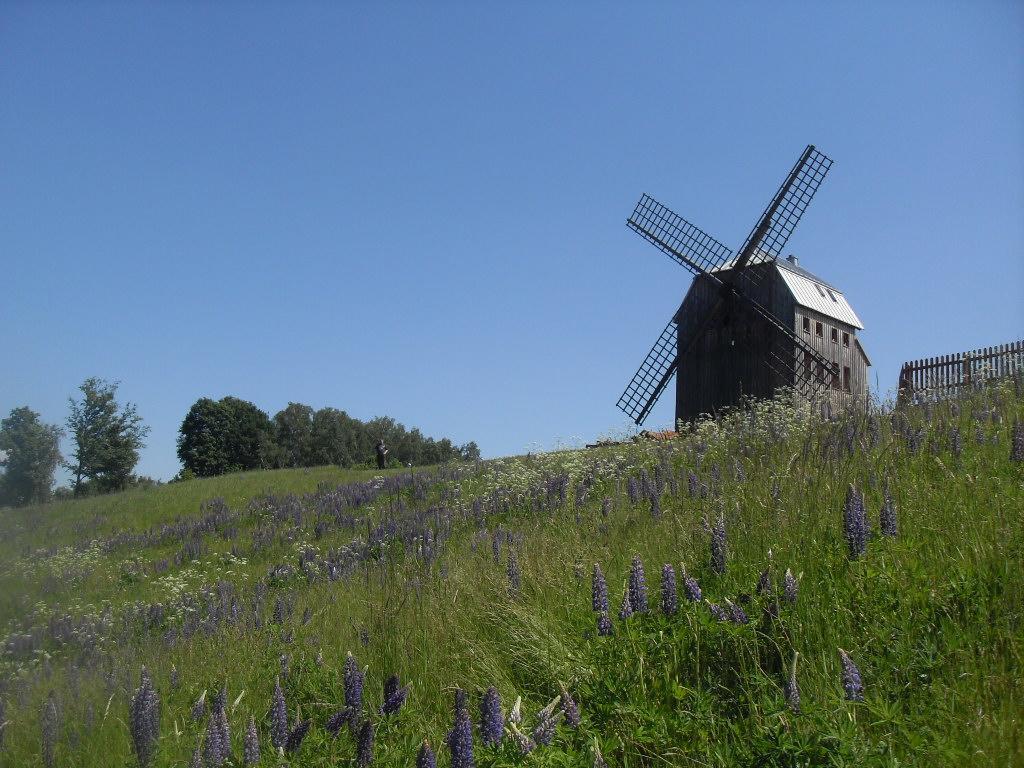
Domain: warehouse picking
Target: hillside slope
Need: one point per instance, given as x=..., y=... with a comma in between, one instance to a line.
x=468, y=577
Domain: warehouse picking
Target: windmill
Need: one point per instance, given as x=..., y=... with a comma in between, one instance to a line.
x=758, y=346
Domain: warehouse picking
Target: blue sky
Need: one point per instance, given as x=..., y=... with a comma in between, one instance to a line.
x=420, y=211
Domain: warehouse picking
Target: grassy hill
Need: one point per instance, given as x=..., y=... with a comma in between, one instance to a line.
x=468, y=577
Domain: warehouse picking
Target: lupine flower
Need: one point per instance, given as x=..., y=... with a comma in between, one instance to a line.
x=215, y=751
x=604, y=625
x=690, y=587
x=637, y=586
x=570, y=709
x=337, y=720
x=547, y=722
x=460, y=740
x=956, y=441
x=1017, y=441
x=598, y=758
x=789, y=587
x=606, y=507
x=394, y=695
x=736, y=613
x=426, y=758
x=278, y=717
x=197, y=757
x=718, y=612
x=144, y=719
x=655, y=507
x=626, y=610
x=764, y=581
x=491, y=717
x=515, y=579
x=354, y=679
x=251, y=744
x=692, y=485
x=364, y=747
x=792, y=690
x=669, y=591
x=852, y=683
x=599, y=590
x=50, y=725
x=633, y=488
x=296, y=735
x=887, y=516
x=523, y=743
x=515, y=715
x=461, y=700
x=718, y=546
x=854, y=523
x=175, y=680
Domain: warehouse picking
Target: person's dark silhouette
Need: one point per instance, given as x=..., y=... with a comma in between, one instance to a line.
x=382, y=451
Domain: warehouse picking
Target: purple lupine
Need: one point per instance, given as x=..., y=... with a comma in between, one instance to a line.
x=570, y=709
x=394, y=695
x=199, y=708
x=764, y=581
x=669, y=590
x=852, y=683
x=792, y=690
x=692, y=485
x=604, y=625
x=690, y=587
x=426, y=758
x=337, y=720
x=655, y=507
x=956, y=441
x=491, y=717
x=354, y=678
x=278, y=717
x=296, y=735
x=251, y=744
x=515, y=578
x=460, y=740
x=717, y=612
x=736, y=613
x=364, y=746
x=598, y=757
x=197, y=756
x=214, y=749
x=49, y=726
x=144, y=719
x=547, y=721
x=633, y=488
x=887, y=516
x=1017, y=441
x=637, y=585
x=790, y=587
x=599, y=591
x=854, y=523
x=718, y=546
x=606, y=507
x=523, y=743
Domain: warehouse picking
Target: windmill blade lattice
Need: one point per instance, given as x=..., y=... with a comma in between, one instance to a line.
x=651, y=377
x=694, y=249
x=783, y=213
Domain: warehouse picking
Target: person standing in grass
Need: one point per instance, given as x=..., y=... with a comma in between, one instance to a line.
x=382, y=451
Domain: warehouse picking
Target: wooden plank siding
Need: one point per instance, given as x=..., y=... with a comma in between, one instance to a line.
x=948, y=375
x=729, y=360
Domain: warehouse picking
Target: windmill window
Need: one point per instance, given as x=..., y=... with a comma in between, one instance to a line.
x=807, y=325
x=846, y=378
x=846, y=339
x=835, y=375
x=835, y=336
x=820, y=290
x=833, y=297
x=817, y=329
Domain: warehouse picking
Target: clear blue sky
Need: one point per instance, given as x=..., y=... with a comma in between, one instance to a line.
x=420, y=211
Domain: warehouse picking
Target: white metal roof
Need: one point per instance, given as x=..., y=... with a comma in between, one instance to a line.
x=820, y=297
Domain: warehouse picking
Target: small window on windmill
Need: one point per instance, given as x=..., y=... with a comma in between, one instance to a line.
x=817, y=329
x=833, y=297
x=846, y=339
x=820, y=290
x=846, y=378
x=835, y=335
x=807, y=325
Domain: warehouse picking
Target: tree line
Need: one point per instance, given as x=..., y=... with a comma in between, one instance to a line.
x=232, y=435
x=106, y=439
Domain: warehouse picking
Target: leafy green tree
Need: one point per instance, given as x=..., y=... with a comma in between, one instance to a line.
x=294, y=430
x=202, y=438
x=107, y=438
x=30, y=455
x=250, y=443
x=334, y=437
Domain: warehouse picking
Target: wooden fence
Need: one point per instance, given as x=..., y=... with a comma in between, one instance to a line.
x=948, y=375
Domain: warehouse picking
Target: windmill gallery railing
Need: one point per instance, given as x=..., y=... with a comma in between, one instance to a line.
x=950, y=374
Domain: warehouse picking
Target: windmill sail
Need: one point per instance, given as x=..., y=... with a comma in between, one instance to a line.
x=651, y=377
x=698, y=251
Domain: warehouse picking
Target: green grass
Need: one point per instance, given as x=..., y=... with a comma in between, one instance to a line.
x=933, y=617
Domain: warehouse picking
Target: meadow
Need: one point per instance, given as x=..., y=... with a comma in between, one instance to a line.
x=773, y=588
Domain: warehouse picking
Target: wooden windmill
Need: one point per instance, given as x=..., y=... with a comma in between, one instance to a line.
x=751, y=322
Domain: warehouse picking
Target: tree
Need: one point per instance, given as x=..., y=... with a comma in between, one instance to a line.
x=227, y=435
x=31, y=453
x=334, y=436
x=294, y=429
x=107, y=438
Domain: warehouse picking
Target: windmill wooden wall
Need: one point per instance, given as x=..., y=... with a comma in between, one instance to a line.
x=714, y=373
